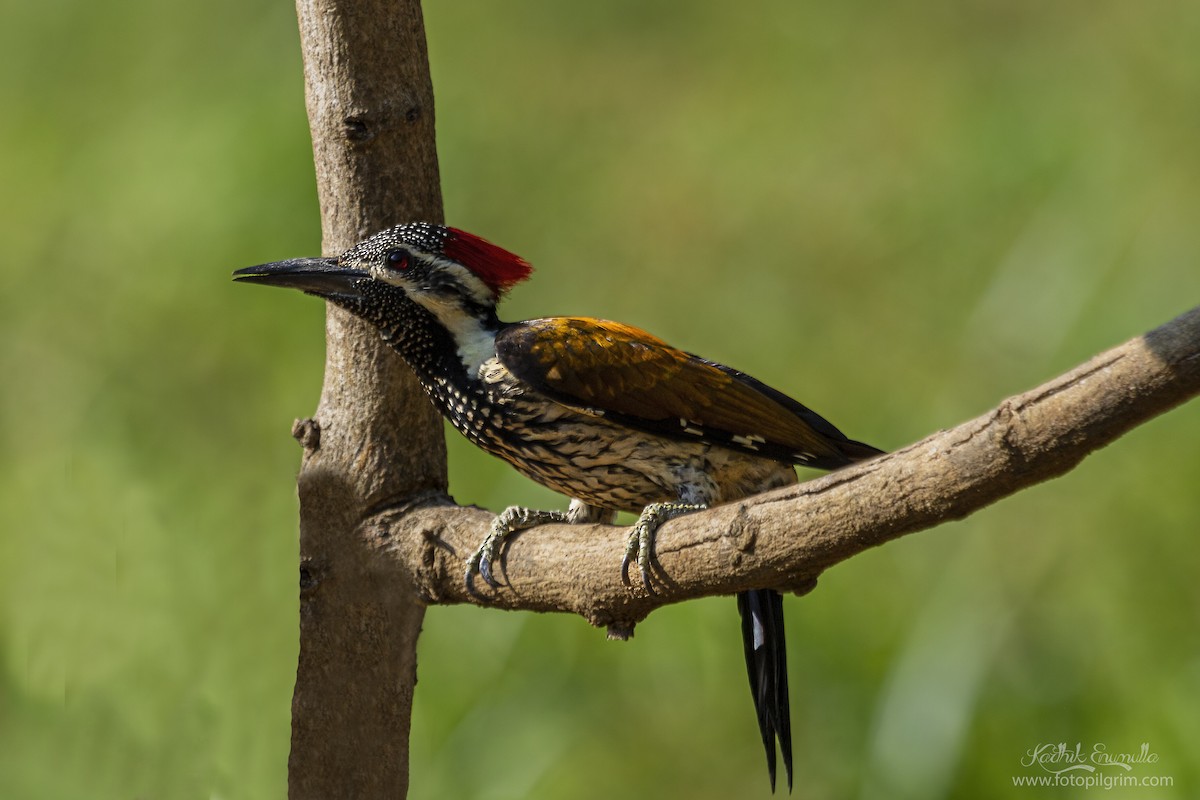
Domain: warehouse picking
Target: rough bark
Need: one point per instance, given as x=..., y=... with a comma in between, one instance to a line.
x=374, y=437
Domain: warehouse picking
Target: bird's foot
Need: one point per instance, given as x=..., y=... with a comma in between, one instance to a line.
x=511, y=520
x=640, y=547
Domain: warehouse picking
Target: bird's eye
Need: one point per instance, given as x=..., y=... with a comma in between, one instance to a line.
x=398, y=259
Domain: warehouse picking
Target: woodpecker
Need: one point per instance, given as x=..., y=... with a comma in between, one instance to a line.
x=606, y=414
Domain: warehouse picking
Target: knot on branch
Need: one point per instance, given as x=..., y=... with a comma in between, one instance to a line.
x=355, y=129
x=308, y=433
x=742, y=533
x=1011, y=432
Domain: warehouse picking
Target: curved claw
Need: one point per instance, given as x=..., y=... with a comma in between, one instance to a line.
x=485, y=570
x=480, y=563
x=646, y=583
x=469, y=579
x=470, y=582
x=646, y=577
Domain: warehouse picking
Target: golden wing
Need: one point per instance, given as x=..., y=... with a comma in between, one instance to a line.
x=625, y=374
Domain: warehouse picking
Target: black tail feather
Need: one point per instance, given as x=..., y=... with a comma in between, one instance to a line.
x=765, y=645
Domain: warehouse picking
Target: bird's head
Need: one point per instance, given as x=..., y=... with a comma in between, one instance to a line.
x=449, y=272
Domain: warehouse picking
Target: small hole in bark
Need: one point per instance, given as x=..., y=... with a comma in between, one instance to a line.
x=356, y=129
x=308, y=578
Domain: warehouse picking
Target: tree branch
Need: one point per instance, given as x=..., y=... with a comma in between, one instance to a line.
x=788, y=537
x=375, y=437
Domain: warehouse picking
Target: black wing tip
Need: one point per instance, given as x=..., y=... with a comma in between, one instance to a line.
x=848, y=452
x=858, y=451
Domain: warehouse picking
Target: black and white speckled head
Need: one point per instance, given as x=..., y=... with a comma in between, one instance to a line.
x=453, y=275
x=438, y=267
x=428, y=288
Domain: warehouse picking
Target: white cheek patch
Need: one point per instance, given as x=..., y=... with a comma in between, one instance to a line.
x=475, y=288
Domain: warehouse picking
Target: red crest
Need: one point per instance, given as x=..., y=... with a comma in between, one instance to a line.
x=495, y=266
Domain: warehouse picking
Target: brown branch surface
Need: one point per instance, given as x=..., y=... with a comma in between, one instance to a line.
x=374, y=437
x=787, y=537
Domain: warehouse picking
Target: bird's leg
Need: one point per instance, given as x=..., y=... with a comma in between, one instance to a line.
x=580, y=513
x=519, y=518
x=641, y=540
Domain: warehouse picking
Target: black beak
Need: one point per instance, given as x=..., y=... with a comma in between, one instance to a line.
x=323, y=277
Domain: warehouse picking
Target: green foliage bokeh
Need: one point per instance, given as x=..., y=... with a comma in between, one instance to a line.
x=898, y=214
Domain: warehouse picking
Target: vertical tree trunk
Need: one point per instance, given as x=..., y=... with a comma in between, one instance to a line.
x=375, y=438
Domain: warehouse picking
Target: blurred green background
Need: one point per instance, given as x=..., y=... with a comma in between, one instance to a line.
x=898, y=213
